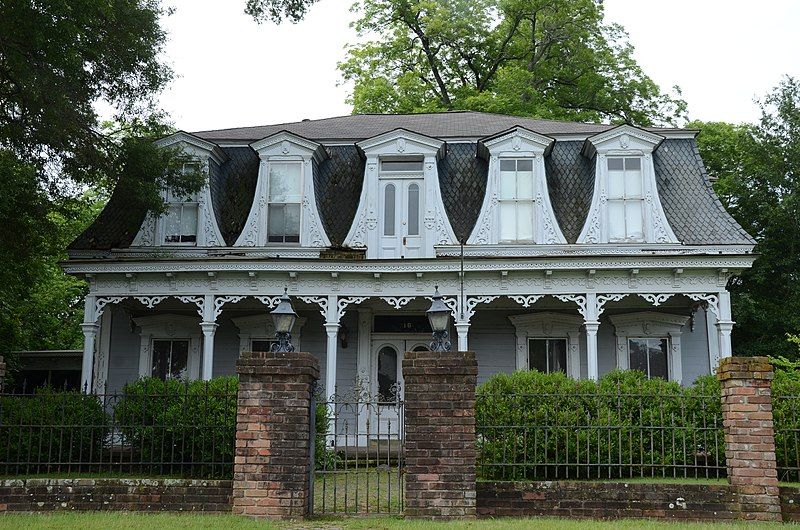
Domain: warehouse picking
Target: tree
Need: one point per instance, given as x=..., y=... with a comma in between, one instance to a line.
x=58, y=60
x=278, y=10
x=757, y=172
x=524, y=57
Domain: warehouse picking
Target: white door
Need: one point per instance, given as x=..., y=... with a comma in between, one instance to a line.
x=387, y=383
x=402, y=204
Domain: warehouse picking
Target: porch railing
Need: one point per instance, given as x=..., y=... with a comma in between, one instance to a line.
x=184, y=431
x=605, y=435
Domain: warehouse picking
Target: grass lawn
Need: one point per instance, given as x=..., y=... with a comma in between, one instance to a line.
x=125, y=521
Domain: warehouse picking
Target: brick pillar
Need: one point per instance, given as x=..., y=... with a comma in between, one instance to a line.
x=749, y=435
x=271, y=475
x=440, y=433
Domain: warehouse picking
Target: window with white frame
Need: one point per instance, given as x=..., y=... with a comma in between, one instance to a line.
x=625, y=199
x=547, y=355
x=284, y=199
x=180, y=221
x=516, y=200
x=649, y=355
x=170, y=359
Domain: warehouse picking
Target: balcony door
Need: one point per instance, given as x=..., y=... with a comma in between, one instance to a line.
x=402, y=204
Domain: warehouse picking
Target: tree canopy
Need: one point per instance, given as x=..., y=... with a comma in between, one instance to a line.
x=757, y=172
x=539, y=58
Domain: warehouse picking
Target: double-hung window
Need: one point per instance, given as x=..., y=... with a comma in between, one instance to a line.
x=284, y=199
x=180, y=226
x=547, y=355
x=649, y=355
x=170, y=359
x=516, y=199
x=625, y=200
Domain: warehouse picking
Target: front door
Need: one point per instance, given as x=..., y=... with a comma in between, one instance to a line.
x=402, y=204
x=387, y=383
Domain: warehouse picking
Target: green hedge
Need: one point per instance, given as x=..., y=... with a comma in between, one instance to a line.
x=50, y=431
x=786, y=413
x=544, y=426
x=188, y=428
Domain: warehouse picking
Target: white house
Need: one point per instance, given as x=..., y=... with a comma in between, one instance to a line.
x=586, y=247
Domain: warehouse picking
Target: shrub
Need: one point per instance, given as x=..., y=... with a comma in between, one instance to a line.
x=537, y=426
x=180, y=427
x=190, y=427
x=50, y=431
x=785, y=405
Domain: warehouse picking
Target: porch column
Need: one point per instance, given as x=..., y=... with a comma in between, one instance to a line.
x=724, y=324
x=462, y=330
x=332, y=330
x=591, y=323
x=90, y=329
x=209, y=327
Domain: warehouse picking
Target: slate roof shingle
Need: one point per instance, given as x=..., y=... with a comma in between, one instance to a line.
x=690, y=204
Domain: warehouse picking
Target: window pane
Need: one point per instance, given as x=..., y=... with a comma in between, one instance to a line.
x=633, y=164
x=633, y=219
x=413, y=210
x=508, y=221
x=388, y=210
x=657, y=350
x=276, y=221
x=292, y=214
x=401, y=165
x=537, y=355
x=616, y=219
x=525, y=164
x=633, y=184
x=616, y=184
x=261, y=345
x=160, y=362
x=189, y=220
x=615, y=164
x=179, y=359
x=387, y=373
x=524, y=184
x=172, y=225
x=508, y=185
x=524, y=221
x=638, y=354
x=284, y=182
x=508, y=165
x=557, y=355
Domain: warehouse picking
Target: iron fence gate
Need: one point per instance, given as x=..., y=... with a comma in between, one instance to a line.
x=357, y=454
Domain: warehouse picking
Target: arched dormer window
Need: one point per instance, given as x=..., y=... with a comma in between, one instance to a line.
x=516, y=208
x=625, y=205
x=284, y=211
x=189, y=220
x=400, y=213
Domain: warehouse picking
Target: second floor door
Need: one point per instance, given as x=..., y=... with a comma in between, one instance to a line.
x=402, y=204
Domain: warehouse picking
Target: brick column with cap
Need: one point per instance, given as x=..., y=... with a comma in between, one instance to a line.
x=440, y=434
x=750, y=436
x=271, y=475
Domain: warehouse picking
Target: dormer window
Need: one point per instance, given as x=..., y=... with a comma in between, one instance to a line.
x=625, y=199
x=284, y=200
x=516, y=199
x=180, y=221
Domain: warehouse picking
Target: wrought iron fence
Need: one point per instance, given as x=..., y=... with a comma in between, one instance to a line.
x=787, y=437
x=359, y=456
x=600, y=435
x=177, y=429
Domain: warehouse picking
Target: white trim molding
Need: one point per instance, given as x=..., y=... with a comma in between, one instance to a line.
x=625, y=141
x=548, y=325
x=284, y=147
x=517, y=143
x=649, y=324
x=435, y=226
x=169, y=327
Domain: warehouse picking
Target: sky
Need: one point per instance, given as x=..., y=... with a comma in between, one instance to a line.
x=234, y=72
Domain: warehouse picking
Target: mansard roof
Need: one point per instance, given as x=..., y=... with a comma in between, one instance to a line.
x=691, y=206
